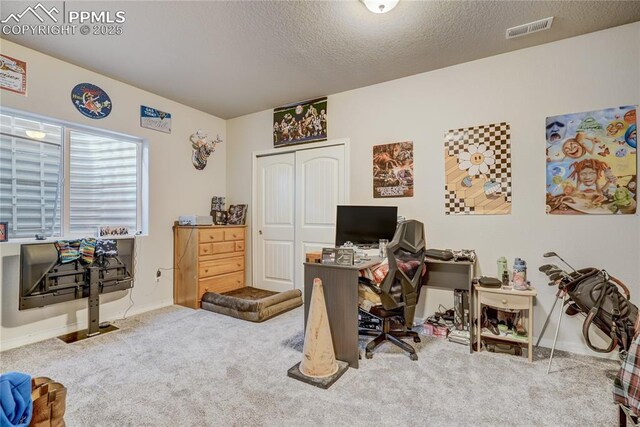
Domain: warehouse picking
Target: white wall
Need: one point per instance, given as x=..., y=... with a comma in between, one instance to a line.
x=175, y=187
x=589, y=72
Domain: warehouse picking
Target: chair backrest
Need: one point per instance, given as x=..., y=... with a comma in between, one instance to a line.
x=406, y=255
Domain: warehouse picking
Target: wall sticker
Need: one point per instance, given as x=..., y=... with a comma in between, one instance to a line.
x=151, y=118
x=91, y=101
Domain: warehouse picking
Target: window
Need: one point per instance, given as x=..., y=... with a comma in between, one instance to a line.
x=59, y=179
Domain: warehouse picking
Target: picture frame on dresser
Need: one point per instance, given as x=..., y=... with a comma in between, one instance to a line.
x=237, y=214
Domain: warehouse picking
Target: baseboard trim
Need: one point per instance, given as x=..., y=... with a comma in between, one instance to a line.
x=55, y=332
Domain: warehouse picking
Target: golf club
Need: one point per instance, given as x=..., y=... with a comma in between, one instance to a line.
x=550, y=254
x=546, y=267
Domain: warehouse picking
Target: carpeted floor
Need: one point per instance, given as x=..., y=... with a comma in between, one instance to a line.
x=179, y=367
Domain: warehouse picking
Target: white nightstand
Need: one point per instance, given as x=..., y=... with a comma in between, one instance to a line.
x=505, y=300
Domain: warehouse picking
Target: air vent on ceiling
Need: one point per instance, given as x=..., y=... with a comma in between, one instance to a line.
x=531, y=27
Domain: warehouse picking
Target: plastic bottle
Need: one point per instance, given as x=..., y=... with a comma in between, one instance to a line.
x=502, y=267
x=520, y=275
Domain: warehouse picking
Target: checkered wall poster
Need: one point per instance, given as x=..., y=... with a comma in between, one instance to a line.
x=478, y=170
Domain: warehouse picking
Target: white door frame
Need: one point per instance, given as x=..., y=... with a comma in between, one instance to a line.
x=275, y=151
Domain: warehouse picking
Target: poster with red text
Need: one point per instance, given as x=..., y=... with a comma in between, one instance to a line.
x=13, y=75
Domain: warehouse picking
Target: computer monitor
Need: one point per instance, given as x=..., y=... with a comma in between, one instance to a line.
x=365, y=225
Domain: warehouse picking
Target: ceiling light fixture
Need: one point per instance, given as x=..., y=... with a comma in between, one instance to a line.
x=35, y=134
x=380, y=6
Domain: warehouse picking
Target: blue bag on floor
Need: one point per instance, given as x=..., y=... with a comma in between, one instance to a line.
x=15, y=399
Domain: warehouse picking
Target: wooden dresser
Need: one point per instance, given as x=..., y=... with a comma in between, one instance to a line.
x=206, y=259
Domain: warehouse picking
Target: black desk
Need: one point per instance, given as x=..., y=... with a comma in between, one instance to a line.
x=341, y=294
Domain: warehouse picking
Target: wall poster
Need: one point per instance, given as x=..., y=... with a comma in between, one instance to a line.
x=591, y=162
x=13, y=75
x=151, y=118
x=393, y=170
x=300, y=123
x=91, y=101
x=478, y=170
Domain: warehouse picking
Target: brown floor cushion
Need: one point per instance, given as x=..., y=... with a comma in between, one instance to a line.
x=253, y=304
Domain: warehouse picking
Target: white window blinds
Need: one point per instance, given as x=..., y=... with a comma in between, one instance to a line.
x=30, y=167
x=103, y=183
x=62, y=180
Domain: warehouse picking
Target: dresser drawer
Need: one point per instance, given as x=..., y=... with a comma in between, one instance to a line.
x=239, y=245
x=204, y=249
x=222, y=247
x=220, y=266
x=515, y=302
x=208, y=236
x=234, y=234
x=223, y=283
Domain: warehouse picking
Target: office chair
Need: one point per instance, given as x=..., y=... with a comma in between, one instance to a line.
x=400, y=289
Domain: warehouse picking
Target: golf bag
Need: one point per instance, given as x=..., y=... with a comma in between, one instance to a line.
x=598, y=295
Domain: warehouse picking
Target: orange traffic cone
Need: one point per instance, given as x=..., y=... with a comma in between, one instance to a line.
x=319, y=366
x=319, y=359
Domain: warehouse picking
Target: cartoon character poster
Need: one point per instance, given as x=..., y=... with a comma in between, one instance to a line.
x=393, y=170
x=478, y=170
x=300, y=123
x=591, y=162
x=91, y=101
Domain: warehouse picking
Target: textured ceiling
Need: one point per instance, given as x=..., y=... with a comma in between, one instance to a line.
x=238, y=57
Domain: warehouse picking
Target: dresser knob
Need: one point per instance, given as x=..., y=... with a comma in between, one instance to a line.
x=206, y=271
x=504, y=301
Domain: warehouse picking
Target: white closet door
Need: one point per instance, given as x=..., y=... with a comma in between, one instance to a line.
x=320, y=187
x=275, y=244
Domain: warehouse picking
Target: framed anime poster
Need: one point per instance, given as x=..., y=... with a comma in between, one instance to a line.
x=591, y=162
x=300, y=123
x=478, y=170
x=13, y=75
x=393, y=170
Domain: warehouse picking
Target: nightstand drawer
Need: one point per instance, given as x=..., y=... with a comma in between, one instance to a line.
x=221, y=266
x=234, y=234
x=500, y=300
x=207, y=236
